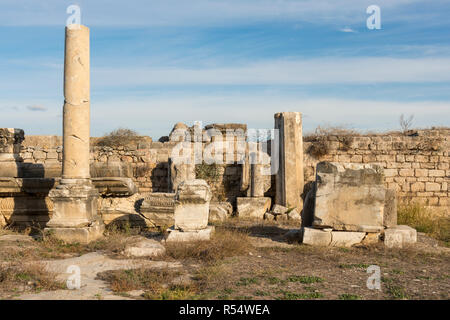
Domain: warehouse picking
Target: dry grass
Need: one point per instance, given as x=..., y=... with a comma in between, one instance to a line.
x=158, y=284
x=423, y=220
x=27, y=277
x=224, y=243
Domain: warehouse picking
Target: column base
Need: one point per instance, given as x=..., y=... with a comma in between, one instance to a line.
x=75, y=217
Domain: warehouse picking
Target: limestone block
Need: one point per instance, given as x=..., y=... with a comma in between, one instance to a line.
x=75, y=205
x=346, y=238
x=144, y=248
x=294, y=215
x=349, y=197
x=184, y=236
x=159, y=209
x=111, y=169
x=115, y=187
x=316, y=237
x=192, y=205
x=252, y=208
x=82, y=235
x=371, y=238
x=220, y=211
x=279, y=209
x=16, y=238
x=399, y=236
x=390, y=208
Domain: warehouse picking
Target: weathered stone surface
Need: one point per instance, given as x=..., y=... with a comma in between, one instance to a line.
x=79, y=234
x=159, y=209
x=316, y=237
x=349, y=197
x=111, y=169
x=346, y=238
x=144, y=248
x=390, y=208
x=117, y=187
x=10, y=140
x=399, y=236
x=371, y=238
x=77, y=103
x=220, y=211
x=279, y=209
x=16, y=238
x=289, y=178
x=180, y=172
x=197, y=235
x=294, y=215
x=252, y=208
x=75, y=217
x=192, y=205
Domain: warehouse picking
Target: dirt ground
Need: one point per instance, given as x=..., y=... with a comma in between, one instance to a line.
x=258, y=264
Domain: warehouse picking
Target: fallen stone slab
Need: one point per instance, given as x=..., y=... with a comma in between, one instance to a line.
x=220, y=211
x=316, y=237
x=185, y=236
x=399, y=236
x=144, y=248
x=252, y=208
x=346, y=238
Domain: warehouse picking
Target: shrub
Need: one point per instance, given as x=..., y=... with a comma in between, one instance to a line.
x=119, y=137
x=320, y=140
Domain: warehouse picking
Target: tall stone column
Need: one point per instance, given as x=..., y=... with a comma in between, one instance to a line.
x=289, y=178
x=75, y=217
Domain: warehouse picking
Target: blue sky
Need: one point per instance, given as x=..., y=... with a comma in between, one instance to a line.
x=155, y=63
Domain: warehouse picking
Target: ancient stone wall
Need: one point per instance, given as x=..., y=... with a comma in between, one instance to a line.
x=416, y=164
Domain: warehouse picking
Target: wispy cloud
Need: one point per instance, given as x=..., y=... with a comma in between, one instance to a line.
x=37, y=108
x=194, y=13
x=347, y=30
x=330, y=70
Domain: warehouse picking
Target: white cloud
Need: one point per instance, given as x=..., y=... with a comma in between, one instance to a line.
x=36, y=108
x=347, y=30
x=193, y=13
x=330, y=70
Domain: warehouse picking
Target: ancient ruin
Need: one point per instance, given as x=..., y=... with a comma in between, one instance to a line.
x=342, y=198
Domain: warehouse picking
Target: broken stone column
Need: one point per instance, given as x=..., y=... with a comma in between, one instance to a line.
x=289, y=178
x=191, y=212
x=75, y=217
